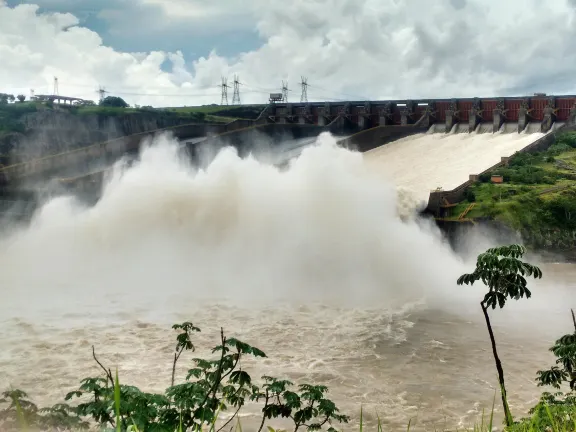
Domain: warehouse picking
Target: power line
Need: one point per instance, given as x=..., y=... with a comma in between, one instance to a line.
x=304, y=95
x=355, y=96
x=236, y=95
x=224, y=97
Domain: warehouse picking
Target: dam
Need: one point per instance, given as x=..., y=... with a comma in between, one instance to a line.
x=309, y=263
x=498, y=127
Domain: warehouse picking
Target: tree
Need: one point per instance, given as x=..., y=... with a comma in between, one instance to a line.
x=114, y=101
x=212, y=386
x=502, y=271
x=21, y=98
x=565, y=351
x=6, y=98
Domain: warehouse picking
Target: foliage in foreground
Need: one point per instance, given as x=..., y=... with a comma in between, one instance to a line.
x=220, y=384
x=504, y=273
x=211, y=386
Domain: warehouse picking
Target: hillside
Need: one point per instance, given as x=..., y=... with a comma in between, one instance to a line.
x=537, y=196
x=32, y=129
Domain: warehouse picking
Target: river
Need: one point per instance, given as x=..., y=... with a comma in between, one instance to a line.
x=311, y=264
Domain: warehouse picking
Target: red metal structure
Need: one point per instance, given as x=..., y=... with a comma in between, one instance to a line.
x=563, y=106
x=538, y=108
x=464, y=111
x=488, y=107
x=441, y=108
x=512, y=106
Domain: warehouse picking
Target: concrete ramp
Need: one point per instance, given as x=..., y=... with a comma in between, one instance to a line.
x=424, y=162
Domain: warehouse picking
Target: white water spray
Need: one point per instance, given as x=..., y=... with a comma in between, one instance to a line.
x=311, y=264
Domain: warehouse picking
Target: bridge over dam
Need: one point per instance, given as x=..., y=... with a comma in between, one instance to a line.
x=470, y=135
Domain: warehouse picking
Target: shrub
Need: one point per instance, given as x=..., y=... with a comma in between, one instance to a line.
x=567, y=138
x=559, y=147
x=470, y=195
x=211, y=386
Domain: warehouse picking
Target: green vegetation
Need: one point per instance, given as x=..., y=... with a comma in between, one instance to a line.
x=11, y=114
x=113, y=101
x=243, y=111
x=220, y=384
x=537, y=197
x=13, y=108
x=211, y=387
x=501, y=270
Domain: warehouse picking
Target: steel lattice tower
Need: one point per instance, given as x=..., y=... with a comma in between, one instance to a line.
x=304, y=95
x=284, y=91
x=102, y=92
x=236, y=95
x=224, y=86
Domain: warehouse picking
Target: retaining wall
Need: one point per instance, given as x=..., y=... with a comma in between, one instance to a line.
x=100, y=153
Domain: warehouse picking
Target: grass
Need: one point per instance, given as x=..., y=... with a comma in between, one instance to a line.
x=531, y=182
x=214, y=109
x=231, y=112
x=11, y=114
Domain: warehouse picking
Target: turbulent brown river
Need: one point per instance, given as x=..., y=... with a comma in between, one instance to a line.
x=311, y=264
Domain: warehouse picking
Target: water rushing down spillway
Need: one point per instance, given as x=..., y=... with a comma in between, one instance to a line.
x=423, y=162
x=309, y=263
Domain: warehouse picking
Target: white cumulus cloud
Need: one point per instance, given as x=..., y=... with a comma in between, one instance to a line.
x=348, y=50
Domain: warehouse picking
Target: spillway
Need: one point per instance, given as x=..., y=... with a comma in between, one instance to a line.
x=423, y=162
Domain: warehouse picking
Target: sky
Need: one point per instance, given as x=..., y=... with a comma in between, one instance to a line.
x=175, y=52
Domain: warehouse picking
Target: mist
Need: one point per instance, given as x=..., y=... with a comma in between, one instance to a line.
x=245, y=232
x=314, y=262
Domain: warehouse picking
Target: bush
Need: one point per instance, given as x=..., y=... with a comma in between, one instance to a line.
x=211, y=386
x=470, y=195
x=559, y=147
x=567, y=138
x=484, y=178
x=522, y=159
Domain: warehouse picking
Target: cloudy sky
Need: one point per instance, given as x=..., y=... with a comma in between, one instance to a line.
x=174, y=52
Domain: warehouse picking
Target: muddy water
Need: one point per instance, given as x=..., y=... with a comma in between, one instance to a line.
x=312, y=265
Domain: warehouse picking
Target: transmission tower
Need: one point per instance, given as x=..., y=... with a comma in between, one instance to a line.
x=285, y=91
x=55, y=91
x=236, y=96
x=102, y=92
x=225, y=87
x=304, y=95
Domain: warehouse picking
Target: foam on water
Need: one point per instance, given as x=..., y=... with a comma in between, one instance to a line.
x=310, y=263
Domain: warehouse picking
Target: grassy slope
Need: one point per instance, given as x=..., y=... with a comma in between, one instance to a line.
x=538, y=193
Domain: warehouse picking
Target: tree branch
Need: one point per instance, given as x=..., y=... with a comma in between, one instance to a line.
x=176, y=357
x=264, y=410
x=573, y=319
x=231, y=418
x=108, y=372
x=217, y=381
